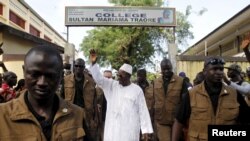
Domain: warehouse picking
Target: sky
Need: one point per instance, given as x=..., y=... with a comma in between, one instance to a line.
x=218, y=12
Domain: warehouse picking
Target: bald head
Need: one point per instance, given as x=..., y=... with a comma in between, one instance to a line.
x=166, y=69
x=79, y=67
x=43, y=69
x=46, y=51
x=80, y=61
x=166, y=61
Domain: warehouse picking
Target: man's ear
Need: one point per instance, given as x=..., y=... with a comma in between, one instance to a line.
x=204, y=71
x=23, y=69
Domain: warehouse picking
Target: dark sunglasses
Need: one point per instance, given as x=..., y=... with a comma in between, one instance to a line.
x=218, y=68
x=79, y=66
x=215, y=61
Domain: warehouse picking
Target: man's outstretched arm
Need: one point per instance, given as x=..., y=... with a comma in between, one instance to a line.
x=3, y=66
x=244, y=45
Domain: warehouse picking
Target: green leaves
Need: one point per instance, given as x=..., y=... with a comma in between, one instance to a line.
x=121, y=44
x=137, y=2
x=135, y=45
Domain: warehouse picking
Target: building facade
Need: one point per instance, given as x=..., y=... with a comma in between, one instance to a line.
x=223, y=41
x=18, y=14
x=21, y=28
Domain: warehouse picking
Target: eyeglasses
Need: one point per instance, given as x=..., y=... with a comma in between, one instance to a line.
x=218, y=68
x=215, y=61
x=79, y=66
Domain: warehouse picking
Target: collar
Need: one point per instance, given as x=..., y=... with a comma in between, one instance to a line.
x=173, y=78
x=39, y=117
x=85, y=80
x=20, y=110
x=159, y=81
x=202, y=90
x=169, y=80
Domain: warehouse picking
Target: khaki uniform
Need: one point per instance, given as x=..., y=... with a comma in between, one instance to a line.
x=202, y=113
x=89, y=96
x=100, y=113
x=148, y=94
x=149, y=97
x=100, y=98
x=164, y=106
x=19, y=124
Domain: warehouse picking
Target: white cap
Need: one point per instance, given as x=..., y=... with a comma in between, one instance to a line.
x=127, y=68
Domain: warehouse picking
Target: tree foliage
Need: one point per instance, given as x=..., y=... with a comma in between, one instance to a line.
x=137, y=2
x=117, y=45
x=134, y=45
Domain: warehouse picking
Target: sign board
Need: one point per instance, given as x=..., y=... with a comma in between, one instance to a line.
x=119, y=16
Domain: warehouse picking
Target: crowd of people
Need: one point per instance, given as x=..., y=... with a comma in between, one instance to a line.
x=93, y=106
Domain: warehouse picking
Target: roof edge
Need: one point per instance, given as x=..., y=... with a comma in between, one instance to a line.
x=215, y=30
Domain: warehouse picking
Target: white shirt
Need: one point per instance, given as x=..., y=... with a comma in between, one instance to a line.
x=244, y=88
x=127, y=111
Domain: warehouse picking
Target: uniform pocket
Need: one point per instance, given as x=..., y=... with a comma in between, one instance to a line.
x=229, y=111
x=173, y=101
x=163, y=117
x=73, y=134
x=158, y=113
x=69, y=91
x=199, y=113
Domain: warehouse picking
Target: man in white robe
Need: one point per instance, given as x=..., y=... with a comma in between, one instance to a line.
x=127, y=111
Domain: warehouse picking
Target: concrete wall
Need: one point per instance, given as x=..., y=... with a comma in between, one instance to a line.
x=16, y=67
x=14, y=48
x=191, y=68
x=13, y=45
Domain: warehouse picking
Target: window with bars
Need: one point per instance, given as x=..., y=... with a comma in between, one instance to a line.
x=47, y=38
x=17, y=20
x=34, y=31
x=1, y=9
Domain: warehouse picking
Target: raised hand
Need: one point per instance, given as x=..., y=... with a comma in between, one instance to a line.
x=246, y=41
x=93, y=56
x=244, y=44
x=3, y=66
